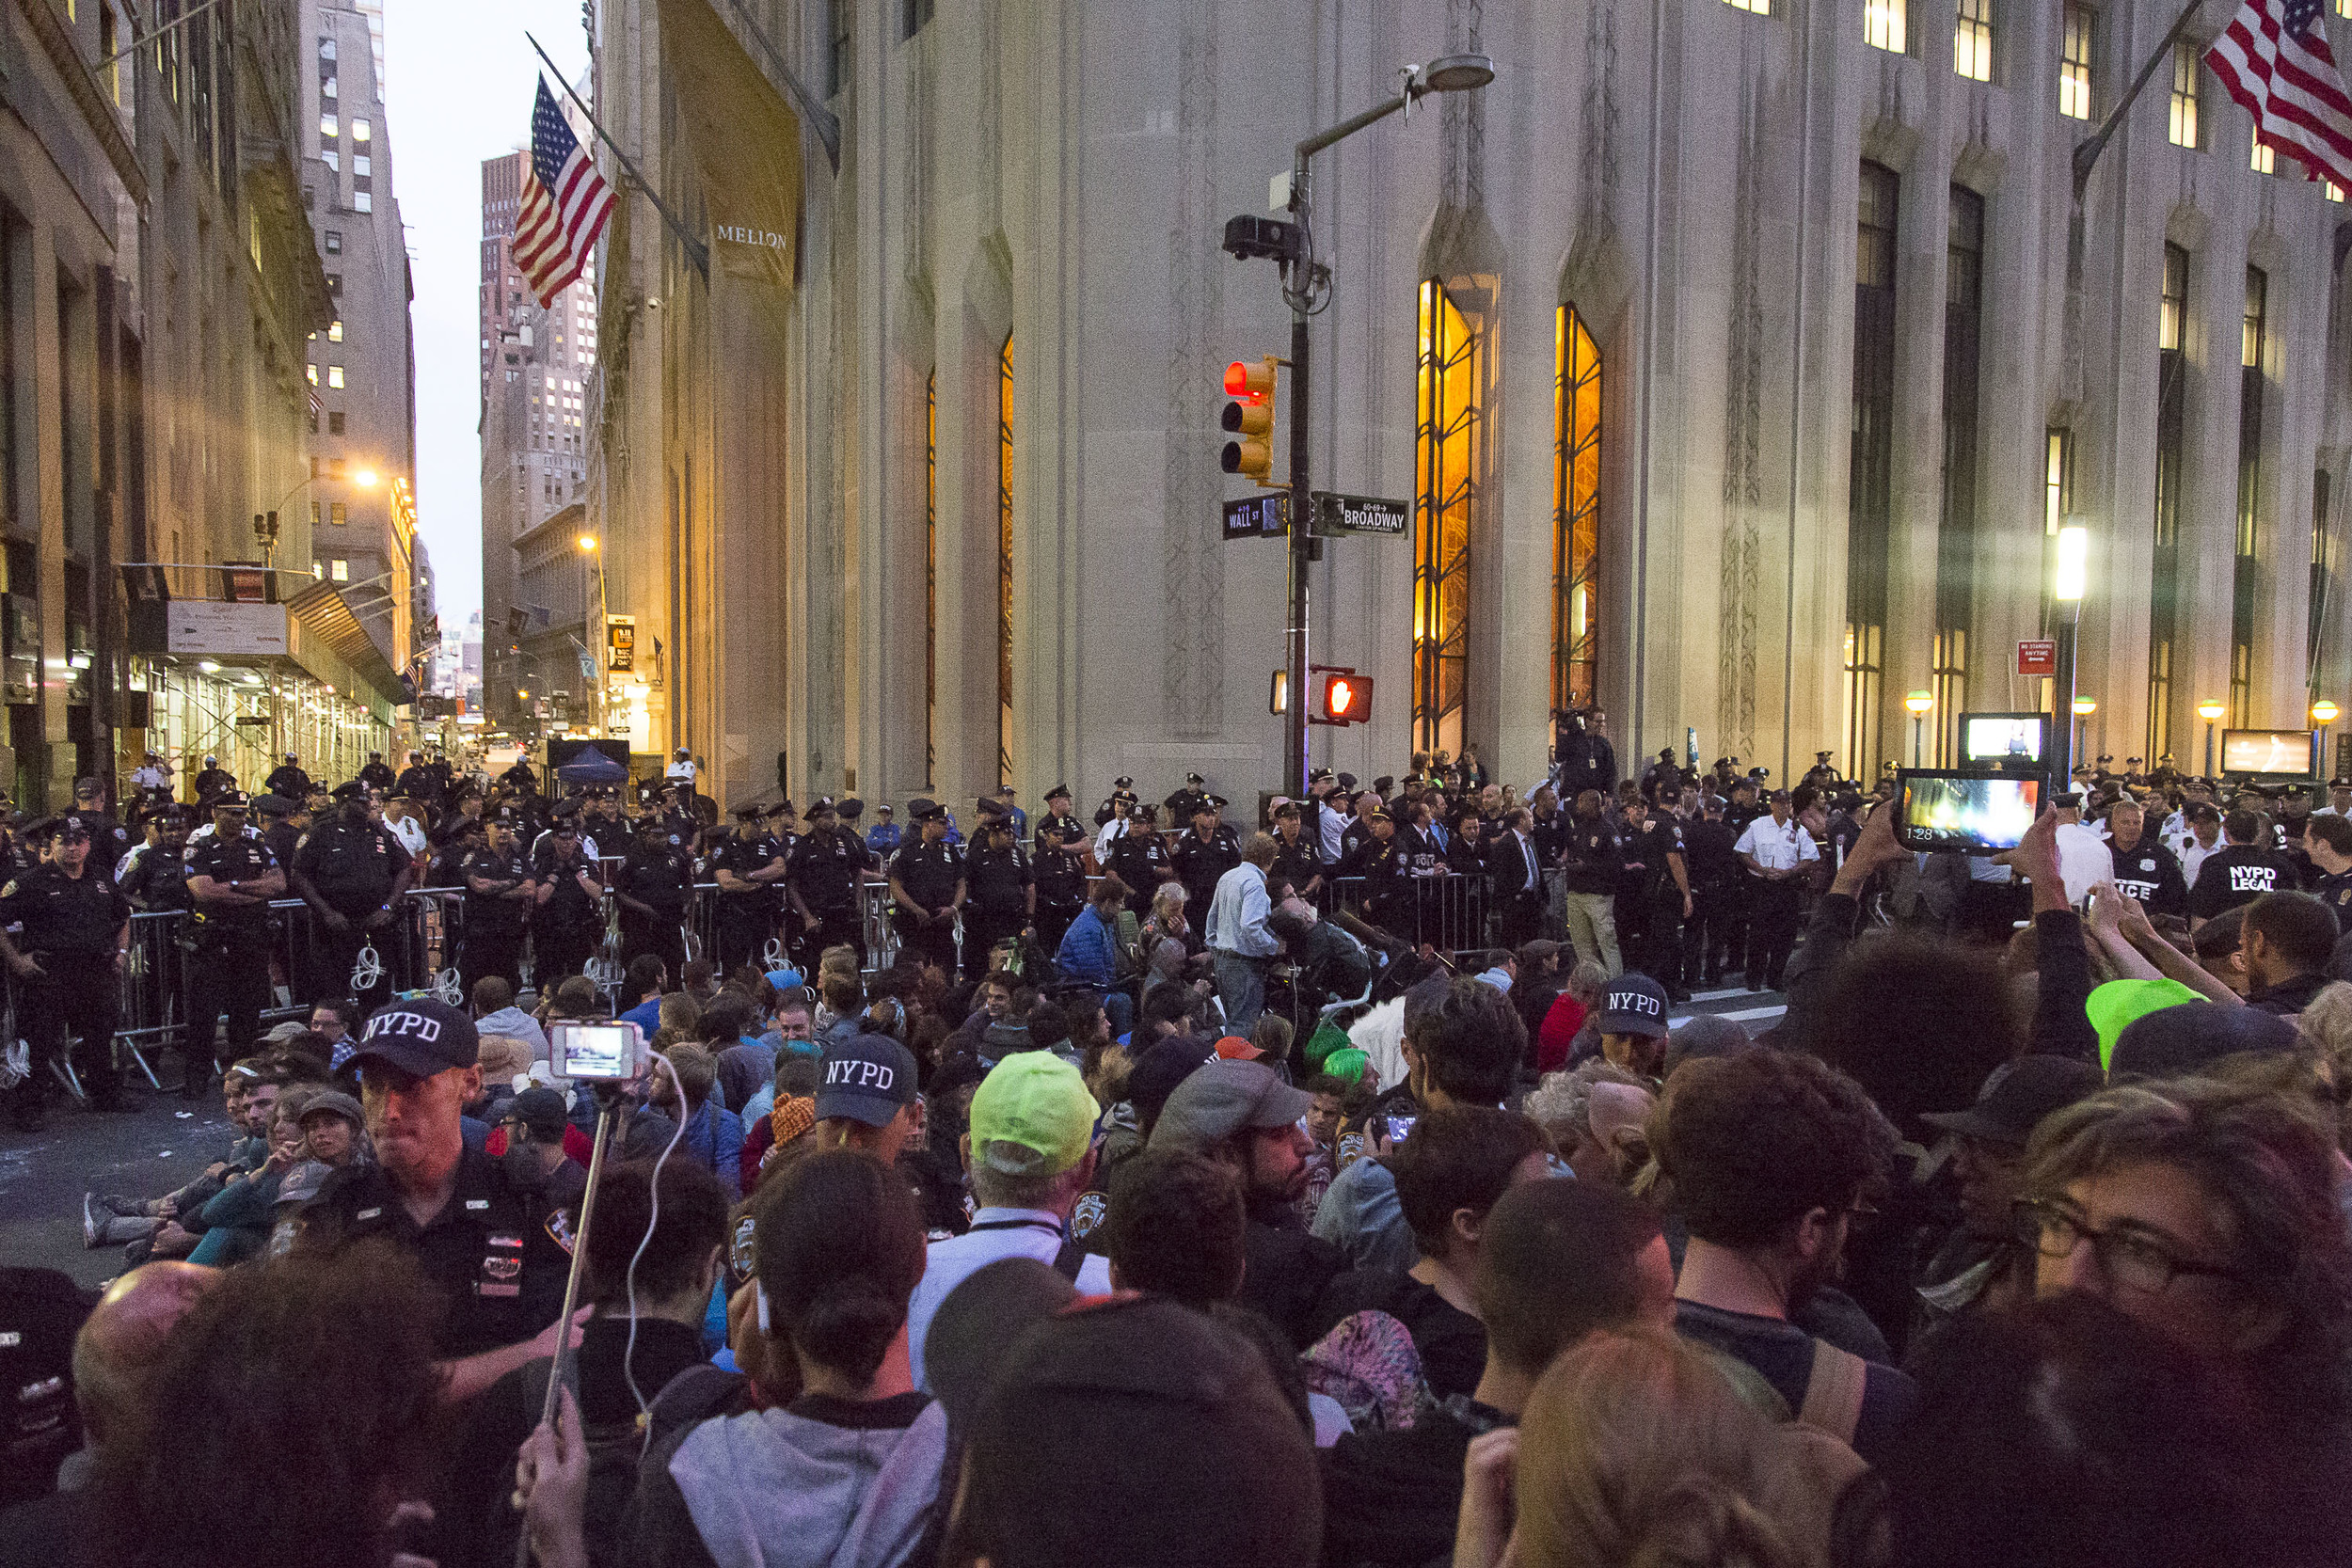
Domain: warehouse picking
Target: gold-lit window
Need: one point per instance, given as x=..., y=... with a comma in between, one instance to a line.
x=2264, y=160
x=2075, y=44
x=1971, y=41
x=334, y=376
x=1445, y=458
x=2186, y=80
x=1575, y=512
x=1882, y=25
x=2172, y=312
x=2257, y=310
x=930, y=576
x=335, y=332
x=1004, y=561
x=1764, y=7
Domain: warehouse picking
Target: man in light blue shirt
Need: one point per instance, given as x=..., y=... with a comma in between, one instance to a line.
x=1239, y=943
x=1031, y=1154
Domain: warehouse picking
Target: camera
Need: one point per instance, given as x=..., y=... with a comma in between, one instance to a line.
x=611, y=1053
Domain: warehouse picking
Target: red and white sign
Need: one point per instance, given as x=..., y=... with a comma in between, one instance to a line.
x=2038, y=656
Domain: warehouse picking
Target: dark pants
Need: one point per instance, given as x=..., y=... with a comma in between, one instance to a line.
x=839, y=927
x=334, y=954
x=1052, y=925
x=1661, y=944
x=491, y=947
x=1772, y=930
x=1714, y=938
x=660, y=936
x=935, y=940
x=739, y=931
x=560, y=952
x=79, y=998
x=1519, y=916
x=231, y=977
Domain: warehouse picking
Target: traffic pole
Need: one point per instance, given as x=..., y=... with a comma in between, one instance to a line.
x=1301, y=555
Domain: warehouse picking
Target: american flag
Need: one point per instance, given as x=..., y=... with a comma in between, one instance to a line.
x=566, y=203
x=2273, y=59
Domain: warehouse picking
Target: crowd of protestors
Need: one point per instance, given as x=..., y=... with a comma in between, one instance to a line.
x=2022, y=1237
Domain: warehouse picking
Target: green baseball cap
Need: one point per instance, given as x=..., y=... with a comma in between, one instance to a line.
x=2118, y=1004
x=1035, y=1101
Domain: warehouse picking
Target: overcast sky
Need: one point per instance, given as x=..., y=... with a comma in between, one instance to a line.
x=458, y=82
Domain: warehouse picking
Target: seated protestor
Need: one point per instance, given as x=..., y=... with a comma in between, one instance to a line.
x=1241, y=1115
x=1600, y=1135
x=115, y=1220
x=1141, y=1430
x=2213, y=1214
x=238, y=1221
x=687, y=1092
x=1450, y=1170
x=789, y=1111
x=1175, y=1227
x=1772, y=1154
x=1634, y=1448
x=643, y=1332
x=324, y=1358
x=849, y=1471
x=2066, y=1430
x=1462, y=1043
x=1557, y=1261
x=2288, y=940
x=1560, y=1036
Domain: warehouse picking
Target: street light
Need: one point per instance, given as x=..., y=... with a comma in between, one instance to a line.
x=2324, y=713
x=2084, y=708
x=1306, y=289
x=1919, y=703
x=2211, y=712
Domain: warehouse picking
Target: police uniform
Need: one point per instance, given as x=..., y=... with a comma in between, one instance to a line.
x=930, y=874
x=214, y=781
x=1296, y=860
x=1061, y=887
x=566, y=926
x=1661, y=947
x=1715, y=937
x=353, y=868
x=376, y=774
x=1140, y=858
x=494, y=923
x=227, y=947
x=742, y=922
x=1199, y=864
x=996, y=905
x=660, y=875
x=1058, y=826
x=1380, y=868
x=2150, y=873
x=826, y=868
x=417, y=783
x=2238, y=873
x=70, y=927
x=109, y=840
x=290, y=781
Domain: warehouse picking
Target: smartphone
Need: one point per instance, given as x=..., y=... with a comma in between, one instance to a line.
x=600, y=1053
x=1975, y=813
x=1400, y=1127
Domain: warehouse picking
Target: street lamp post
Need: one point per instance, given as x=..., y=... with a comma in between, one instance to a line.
x=2084, y=708
x=1304, y=279
x=2070, y=579
x=1919, y=703
x=2325, y=714
x=593, y=549
x=2211, y=712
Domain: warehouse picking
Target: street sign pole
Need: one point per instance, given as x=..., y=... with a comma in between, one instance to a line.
x=1301, y=535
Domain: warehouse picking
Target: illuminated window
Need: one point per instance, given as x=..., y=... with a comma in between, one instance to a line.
x=338, y=571
x=1956, y=536
x=1004, y=558
x=1882, y=25
x=1971, y=41
x=1575, y=511
x=2173, y=309
x=1446, y=455
x=930, y=575
x=2172, y=443
x=2075, y=44
x=2246, y=573
x=2335, y=192
x=1870, y=466
x=2323, y=572
x=328, y=126
x=2264, y=160
x=1761, y=8
x=2187, y=81
x=2257, y=310
x=334, y=376
x=335, y=332
x=2058, y=500
x=361, y=129
x=311, y=372
x=338, y=513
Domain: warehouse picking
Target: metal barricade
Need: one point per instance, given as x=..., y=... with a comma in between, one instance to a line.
x=1447, y=910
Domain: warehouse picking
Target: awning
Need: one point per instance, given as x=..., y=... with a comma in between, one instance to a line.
x=324, y=625
x=746, y=145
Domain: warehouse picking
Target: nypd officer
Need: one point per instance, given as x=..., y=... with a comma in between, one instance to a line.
x=1057, y=826
x=500, y=897
x=489, y=1240
x=66, y=961
x=109, y=839
x=1201, y=856
x=927, y=886
x=352, y=872
x=827, y=867
x=1002, y=891
x=1060, y=872
x=747, y=865
x=655, y=878
x=568, y=920
x=1139, y=856
x=232, y=876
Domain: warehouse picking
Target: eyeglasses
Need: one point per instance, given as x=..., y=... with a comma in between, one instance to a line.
x=2129, y=1261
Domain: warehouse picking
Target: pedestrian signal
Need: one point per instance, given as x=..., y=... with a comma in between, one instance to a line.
x=1249, y=418
x=1347, y=699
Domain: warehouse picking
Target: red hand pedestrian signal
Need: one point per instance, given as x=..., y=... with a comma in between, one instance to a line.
x=1347, y=699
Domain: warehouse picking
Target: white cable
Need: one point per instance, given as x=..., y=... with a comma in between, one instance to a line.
x=367, y=968
x=628, y=1352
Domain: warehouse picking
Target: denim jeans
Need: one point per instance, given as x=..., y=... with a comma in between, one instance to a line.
x=1241, y=986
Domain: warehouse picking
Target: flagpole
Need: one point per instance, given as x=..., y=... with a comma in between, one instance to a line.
x=696, y=252
x=2088, y=153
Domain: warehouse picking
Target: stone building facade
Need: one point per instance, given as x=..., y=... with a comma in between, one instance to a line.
x=1738, y=356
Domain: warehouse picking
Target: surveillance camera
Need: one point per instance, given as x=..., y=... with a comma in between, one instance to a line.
x=653, y=304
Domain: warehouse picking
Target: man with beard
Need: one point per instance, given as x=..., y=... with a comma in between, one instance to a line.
x=1772, y=1155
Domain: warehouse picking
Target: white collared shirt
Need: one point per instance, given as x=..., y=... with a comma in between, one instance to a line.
x=1777, y=846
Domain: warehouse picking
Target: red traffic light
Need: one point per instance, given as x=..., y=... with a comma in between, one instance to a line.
x=1249, y=378
x=1347, y=699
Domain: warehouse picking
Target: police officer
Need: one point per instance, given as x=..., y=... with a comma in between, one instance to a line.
x=1200, y=858
x=826, y=867
x=288, y=779
x=1715, y=936
x=1378, y=866
x=376, y=774
x=1113, y=822
x=1182, y=804
x=232, y=878
x=281, y=824
x=746, y=865
x=1298, y=858
x=67, y=961
x=568, y=921
x=500, y=899
x=212, y=780
x=109, y=840
x=655, y=878
x=1140, y=858
x=1060, y=871
x=1666, y=891
x=158, y=880
x=352, y=872
x=1002, y=892
x=2144, y=868
x=492, y=1242
x=1057, y=826
x=418, y=781
x=927, y=886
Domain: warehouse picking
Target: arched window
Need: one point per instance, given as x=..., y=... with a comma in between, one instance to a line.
x=1445, y=462
x=1004, y=561
x=1575, y=512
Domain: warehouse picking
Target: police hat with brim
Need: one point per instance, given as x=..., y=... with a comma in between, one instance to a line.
x=747, y=811
x=232, y=800
x=350, y=790
x=2017, y=1096
x=1223, y=1097
x=67, y=827
x=866, y=1078
x=852, y=809
x=821, y=807
x=922, y=809
x=1060, y=792
x=421, y=1037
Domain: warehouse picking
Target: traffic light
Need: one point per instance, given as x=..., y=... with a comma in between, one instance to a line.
x=1347, y=698
x=1249, y=418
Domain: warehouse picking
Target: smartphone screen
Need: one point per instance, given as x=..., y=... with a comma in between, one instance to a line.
x=605, y=1052
x=1400, y=1127
x=1973, y=812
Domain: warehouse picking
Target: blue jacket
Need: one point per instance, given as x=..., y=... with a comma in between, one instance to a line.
x=1089, y=950
x=715, y=1138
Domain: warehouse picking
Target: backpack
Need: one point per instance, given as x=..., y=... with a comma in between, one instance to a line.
x=1834, y=1388
x=614, y=1448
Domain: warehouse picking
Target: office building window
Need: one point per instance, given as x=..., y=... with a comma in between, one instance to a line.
x=1882, y=25
x=331, y=158
x=2164, y=569
x=310, y=372
x=326, y=49
x=1575, y=512
x=2323, y=572
x=1760, y=7
x=314, y=516
x=1971, y=41
x=335, y=330
x=2076, y=27
x=361, y=129
x=327, y=87
x=328, y=126
x=2187, y=81
x=1956, y=538
x=1004, y=561
x=2264, y=160
x=335, y=375
x=1446, y=461
x=338, y=571
x=2245, y=573
x=362, y=165
x=362, y=202
x=338, y=513
x=1869, y=494
x=334, y=426
x=2058, y=500
x=334, y=242
x=930, y=576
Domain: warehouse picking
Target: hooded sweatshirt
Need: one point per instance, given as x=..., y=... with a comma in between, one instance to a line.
x=821, y=1483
